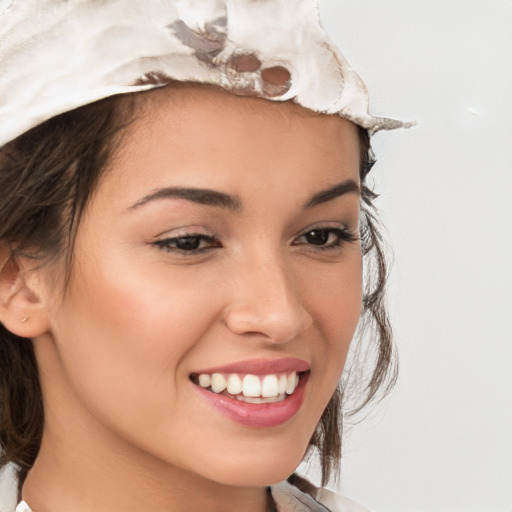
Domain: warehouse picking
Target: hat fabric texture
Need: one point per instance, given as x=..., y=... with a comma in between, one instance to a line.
x=58, y=55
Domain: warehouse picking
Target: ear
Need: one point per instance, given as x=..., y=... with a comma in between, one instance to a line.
x=22, y=310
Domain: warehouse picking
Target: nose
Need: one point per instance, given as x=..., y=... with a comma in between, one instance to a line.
x=265, y=301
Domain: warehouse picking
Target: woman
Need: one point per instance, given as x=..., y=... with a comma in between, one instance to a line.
x=181, y=268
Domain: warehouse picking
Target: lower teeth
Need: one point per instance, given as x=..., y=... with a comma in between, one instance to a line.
x=251, y=399
x=260, y=400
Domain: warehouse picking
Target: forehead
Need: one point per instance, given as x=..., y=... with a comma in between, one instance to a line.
x=201, y=134
x=209, y=106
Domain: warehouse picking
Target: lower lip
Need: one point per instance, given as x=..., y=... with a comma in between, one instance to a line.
x=257, y=415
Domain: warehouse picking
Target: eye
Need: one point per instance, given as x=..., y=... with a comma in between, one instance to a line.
x=326, y=238
x=188, y=243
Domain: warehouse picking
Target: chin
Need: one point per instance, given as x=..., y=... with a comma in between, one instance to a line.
x=259, y=475
x=258, y=469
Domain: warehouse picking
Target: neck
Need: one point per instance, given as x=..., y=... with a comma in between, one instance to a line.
x=77, y=480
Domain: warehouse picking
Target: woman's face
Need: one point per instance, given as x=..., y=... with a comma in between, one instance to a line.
x=221, y=245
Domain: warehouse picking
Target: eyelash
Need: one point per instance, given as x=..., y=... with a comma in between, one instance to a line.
x=166, y=243
x=343, y=236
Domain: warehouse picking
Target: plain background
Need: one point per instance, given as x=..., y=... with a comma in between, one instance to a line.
x=443, y=441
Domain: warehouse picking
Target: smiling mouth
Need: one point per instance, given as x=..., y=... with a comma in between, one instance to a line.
x=250, y=388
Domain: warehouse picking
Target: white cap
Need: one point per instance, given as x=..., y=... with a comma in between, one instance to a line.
x=58, y=55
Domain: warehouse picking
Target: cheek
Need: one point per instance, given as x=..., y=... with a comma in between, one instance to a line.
x=122, y=336
x=335, y=303
x=140, y=304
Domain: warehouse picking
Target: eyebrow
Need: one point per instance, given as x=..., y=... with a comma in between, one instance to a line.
x=233, y=202
x=196, y=195
x=345, y=187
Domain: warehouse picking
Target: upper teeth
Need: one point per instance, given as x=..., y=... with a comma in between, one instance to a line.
x=253, y=386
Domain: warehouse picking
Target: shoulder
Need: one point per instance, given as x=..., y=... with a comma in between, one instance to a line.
x=8, y=488
x=9, y=491
x=298, y=495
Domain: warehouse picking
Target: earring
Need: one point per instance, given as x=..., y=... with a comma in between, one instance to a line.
x=24, y=319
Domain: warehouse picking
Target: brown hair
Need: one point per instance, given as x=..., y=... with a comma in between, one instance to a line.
x=47, y=176
x=372, y=344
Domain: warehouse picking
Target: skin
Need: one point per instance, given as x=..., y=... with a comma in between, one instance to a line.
x=116, y=350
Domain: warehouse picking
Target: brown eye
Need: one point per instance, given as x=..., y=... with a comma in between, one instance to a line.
x=317, y=236
x=326, y=238
x=188, y=243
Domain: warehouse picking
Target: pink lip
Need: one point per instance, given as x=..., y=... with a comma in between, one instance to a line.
x=260, y=366
x=256, y=415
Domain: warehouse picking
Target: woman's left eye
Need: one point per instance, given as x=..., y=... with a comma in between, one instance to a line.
x=189, y=243
x=326, y=238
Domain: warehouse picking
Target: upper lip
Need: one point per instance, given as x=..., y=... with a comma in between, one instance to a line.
x=260, y=366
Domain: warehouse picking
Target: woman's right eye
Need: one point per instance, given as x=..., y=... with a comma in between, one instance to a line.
x=189, y=243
